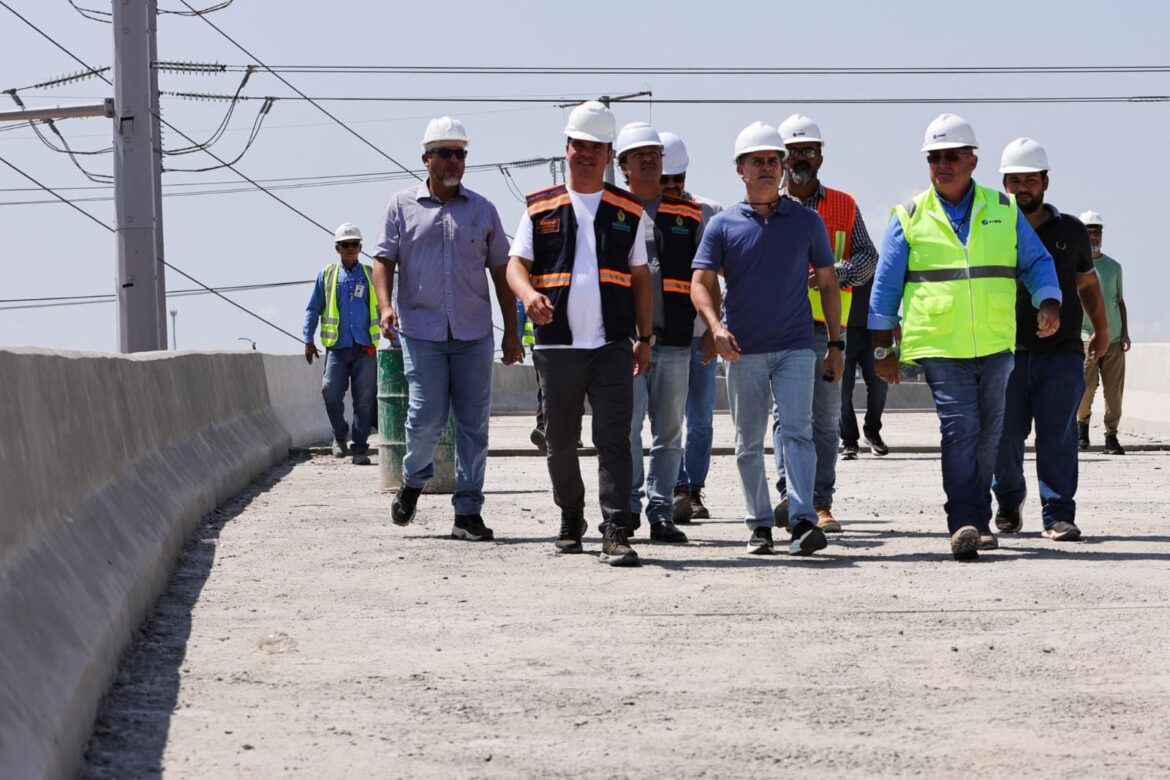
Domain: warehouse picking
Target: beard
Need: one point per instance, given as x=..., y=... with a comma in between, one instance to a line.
x=450, y=181
x=1031, y=206
x=801, y=174
x=1094, y=245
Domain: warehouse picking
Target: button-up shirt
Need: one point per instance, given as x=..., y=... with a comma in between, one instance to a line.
x=441, y=251
x=353, y=307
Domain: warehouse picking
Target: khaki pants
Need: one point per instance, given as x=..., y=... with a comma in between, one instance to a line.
x=1111, y=369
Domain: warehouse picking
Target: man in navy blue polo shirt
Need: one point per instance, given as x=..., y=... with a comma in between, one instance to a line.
x=763, y=246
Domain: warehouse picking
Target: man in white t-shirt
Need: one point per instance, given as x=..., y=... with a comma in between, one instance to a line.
x=578, y=263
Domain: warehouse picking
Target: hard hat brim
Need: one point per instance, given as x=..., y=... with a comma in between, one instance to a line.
x=938, y=146
x=673, y=170
x=638, y=145
x=581, y=135
x=762, y=148
x=1021, y=169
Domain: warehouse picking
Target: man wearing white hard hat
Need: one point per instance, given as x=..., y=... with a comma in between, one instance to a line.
x=1047, y=382
x=950, y=260
x=344, y=302
x=700, y=408
x=855, y=260
x=764, y=246
x=579, y=264
x=445, y=241
x=671, y=230
x=1105, y=368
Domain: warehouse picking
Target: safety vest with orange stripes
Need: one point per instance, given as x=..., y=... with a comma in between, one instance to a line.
x=676, y=234
x=554, y=242
x=839, y=211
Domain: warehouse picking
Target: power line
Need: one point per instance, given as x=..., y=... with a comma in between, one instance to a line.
x=444, y=70
x=106, y=297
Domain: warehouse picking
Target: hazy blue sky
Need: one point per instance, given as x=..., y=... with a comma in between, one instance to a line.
x=1109, y=157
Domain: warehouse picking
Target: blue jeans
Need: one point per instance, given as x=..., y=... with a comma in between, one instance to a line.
x=969, y=398
x=756, y=383
x=696, y=459
x=449, y=378
x=826, y=422
x=346, y=367
x=1045, y=388
x=662, y=392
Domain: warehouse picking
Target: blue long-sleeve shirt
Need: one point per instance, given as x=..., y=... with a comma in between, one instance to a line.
x=1034, y=263
x=354, y=309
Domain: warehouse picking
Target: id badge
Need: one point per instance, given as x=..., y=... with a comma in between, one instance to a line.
x=359, y=289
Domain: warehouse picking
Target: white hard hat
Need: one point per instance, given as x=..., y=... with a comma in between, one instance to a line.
x=1023, y=155
x=347, y=231
x=1091, y=217
x=758, y=137
x=949, y=131
x=444, y=128
x=635, y=135
x=674, y=154
x=592, y=121
x=798, y=128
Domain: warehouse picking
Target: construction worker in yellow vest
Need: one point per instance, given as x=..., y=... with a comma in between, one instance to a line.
x=950, y=259
x=856, y=259
x=344, y=301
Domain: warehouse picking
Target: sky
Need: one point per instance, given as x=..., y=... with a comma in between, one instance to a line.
x=1109, y=157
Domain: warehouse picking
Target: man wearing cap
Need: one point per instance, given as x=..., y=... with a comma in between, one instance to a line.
x=764, y=246
x=579, y=264
x=343, y=299
x=440, y=237
x=855, y=260
x=1047, y=382
x=671, y=230
x=1109, y=366
x=700, y=408
x=950, y=259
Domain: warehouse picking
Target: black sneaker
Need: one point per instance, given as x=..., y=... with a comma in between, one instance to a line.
x=780, y=513
x=538, y=440
x=681, y=506
x=403, y=506
x=807, y=538
x=1062, y=531
x=965, y=543
x=471, y=528
x=849, y=451
x=615, y=549
x=1112, y=446
x=340, y=450
x=360, y=457
x=667, y=533
x=761, y=542
x=1082, y=435
x=876, y=445
x=1008, y=521
x=573, y=527
x=699, y=510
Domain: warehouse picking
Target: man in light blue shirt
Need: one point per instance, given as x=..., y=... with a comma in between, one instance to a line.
x=343, y=299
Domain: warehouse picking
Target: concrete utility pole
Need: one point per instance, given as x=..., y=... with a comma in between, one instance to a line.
x=141, y=319
x=611, y=170
x=156, y=147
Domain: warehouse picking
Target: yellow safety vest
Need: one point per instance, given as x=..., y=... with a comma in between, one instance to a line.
x=839, y=211
x=959, y=301
x=331, y=321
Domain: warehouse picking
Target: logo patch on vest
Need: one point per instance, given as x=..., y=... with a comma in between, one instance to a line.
x=993, y=222
x=621, y=222
x=548, y=225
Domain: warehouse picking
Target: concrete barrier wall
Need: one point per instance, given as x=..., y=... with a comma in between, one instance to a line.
x=1145, y=406
x=109, y=462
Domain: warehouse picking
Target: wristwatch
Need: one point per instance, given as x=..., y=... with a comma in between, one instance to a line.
x=881, y=353
x=645, y=340
x=839, y=344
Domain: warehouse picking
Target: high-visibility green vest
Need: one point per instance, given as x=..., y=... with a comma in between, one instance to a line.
x=331, y=320
x=959, y=301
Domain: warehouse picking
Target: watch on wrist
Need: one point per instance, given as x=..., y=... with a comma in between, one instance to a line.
x=644, y=339
x=839, y=344
x=881, y=353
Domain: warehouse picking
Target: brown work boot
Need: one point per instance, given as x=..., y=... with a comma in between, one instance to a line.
x=826, y=522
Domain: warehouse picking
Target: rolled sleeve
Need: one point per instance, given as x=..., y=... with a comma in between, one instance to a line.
x=889, y=278
x=1036, y=267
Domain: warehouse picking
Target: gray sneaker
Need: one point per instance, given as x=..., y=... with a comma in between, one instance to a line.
x=988, y=541
x=965, y=543
x=1062, y=531
x=340, y=450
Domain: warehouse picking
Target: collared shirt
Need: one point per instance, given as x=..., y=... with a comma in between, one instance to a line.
x=441, y=251
x=765, y=262
x=353, y=307
x=709, y=208
x=1109, y=275
x=889, y=279
x=858, y=268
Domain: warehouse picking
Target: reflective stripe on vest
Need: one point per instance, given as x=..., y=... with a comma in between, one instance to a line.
x=675, y=286
x=609, y=276
x=839, y=211
x=959, y=301
x=552, y=280
x=331, y=320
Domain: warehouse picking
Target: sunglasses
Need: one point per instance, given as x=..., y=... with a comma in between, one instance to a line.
x=673, y=178
x=808, y=153
x=349, y=244
x=447, y=154
x=952, y=157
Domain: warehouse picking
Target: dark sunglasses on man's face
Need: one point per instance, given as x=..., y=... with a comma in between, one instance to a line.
x=808, y=153
x=447, y=154
x=672, y=178
x=952, y=157
x=349, y=244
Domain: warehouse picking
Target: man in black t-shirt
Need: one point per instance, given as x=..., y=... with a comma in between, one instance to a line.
x=1047, y=382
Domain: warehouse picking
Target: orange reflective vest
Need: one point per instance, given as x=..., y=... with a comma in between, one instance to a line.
x=839, y=211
